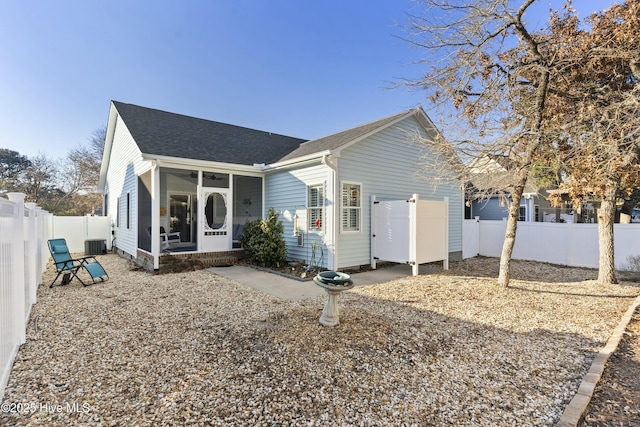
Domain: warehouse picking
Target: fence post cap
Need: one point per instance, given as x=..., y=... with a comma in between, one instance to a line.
x=16, y=197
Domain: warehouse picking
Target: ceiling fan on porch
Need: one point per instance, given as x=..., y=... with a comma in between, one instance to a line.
x=212, y=176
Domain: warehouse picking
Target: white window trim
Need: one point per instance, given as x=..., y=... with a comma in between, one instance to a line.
x=342, y=208
x=311, y=229
x=526, y=211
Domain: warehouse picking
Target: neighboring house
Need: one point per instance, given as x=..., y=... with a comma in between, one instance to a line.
x=205, y=179
x=492, y=171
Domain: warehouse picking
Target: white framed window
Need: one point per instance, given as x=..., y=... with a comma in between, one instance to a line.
x=123, y=212
x=522, y=215
x=315, y=207
x=128, y=210
x=351, y=207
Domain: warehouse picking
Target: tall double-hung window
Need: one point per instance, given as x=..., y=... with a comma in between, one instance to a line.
x=351, y=206
x=315, y=206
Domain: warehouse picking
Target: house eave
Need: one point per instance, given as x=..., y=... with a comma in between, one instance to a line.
x=182, y=163
x=108, y=145
x=298, y=161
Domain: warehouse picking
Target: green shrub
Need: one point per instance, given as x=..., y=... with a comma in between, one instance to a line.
x=263, y=240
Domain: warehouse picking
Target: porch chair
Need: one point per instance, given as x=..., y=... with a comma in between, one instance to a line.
x=169, y=239
x=69, y=267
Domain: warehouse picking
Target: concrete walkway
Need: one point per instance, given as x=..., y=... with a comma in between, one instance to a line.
x=292, y=289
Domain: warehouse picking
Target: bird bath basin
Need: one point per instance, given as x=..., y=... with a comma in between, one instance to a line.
x=333, y=282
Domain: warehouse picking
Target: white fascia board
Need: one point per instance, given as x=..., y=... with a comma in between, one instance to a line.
x=309, y=158
x=180, y=163
x=108, y=144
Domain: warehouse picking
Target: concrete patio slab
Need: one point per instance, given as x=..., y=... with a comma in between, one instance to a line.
x=292, y=289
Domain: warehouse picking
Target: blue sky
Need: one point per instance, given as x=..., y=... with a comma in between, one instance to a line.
x=299, y=68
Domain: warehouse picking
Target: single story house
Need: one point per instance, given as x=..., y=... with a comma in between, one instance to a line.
x=177, y=183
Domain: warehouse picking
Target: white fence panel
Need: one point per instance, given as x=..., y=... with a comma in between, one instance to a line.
x=432, y=231
x=410, y=231
x=471, y=238
x=23, y=232
x=391, y=230
x=627, y=237
x=11, y=286
x=582, y=247
x=541, y=242
x=491, y=237
x=77, y=229
x=568, y=244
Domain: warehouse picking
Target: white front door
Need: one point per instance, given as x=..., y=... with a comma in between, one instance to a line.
x=215, y=232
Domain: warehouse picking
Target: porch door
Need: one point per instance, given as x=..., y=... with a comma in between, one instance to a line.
x=215, y=234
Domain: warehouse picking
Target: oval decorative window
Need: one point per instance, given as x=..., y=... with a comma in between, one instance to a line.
x=215, y=211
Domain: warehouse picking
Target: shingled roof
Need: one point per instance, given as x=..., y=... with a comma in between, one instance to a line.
x=174, y=135
x=339, y=139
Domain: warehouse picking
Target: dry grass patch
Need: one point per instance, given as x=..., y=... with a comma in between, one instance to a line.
x=195, y=348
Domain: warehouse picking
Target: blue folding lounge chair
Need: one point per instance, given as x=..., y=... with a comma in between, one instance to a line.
x=69, y=267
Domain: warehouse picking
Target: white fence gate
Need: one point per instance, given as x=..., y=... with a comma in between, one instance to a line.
x=410, y=231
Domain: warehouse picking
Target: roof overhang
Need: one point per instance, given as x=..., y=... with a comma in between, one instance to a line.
x=181, y=163
x=108, y=144
x=299, y=161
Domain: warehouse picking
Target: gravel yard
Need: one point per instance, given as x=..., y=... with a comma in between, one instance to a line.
x=197, y=349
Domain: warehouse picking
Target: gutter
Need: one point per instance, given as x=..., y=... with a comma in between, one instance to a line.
x=298, y=161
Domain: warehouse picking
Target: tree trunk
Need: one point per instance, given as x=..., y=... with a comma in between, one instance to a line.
x=510, y=236
x=606, y=215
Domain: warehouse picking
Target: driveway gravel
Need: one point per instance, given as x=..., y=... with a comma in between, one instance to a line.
x=195, y=348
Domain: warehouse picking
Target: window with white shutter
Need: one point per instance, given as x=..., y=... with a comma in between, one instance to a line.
x=315, y=206
x=351, y=206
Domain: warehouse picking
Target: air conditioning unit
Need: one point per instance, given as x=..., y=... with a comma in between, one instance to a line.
x=95, y=247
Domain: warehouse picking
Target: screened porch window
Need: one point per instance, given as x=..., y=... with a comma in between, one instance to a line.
x=315, y=206
x=351, y=207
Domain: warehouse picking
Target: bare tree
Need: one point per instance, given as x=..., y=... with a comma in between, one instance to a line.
x=82, y=172
x=564, y=98
x=597, y=106
x=488, y=79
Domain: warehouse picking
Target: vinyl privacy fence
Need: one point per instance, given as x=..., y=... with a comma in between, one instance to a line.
x=24, y=229
x=24, y=254
x=574, y=245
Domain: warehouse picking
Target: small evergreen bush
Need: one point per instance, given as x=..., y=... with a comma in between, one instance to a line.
x=263, y=240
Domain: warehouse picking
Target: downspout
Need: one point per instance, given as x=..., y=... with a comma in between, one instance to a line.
x=334, y=222
x=155, y=214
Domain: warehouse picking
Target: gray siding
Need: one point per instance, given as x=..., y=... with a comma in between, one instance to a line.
x=488, y=209
x=387, y=165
